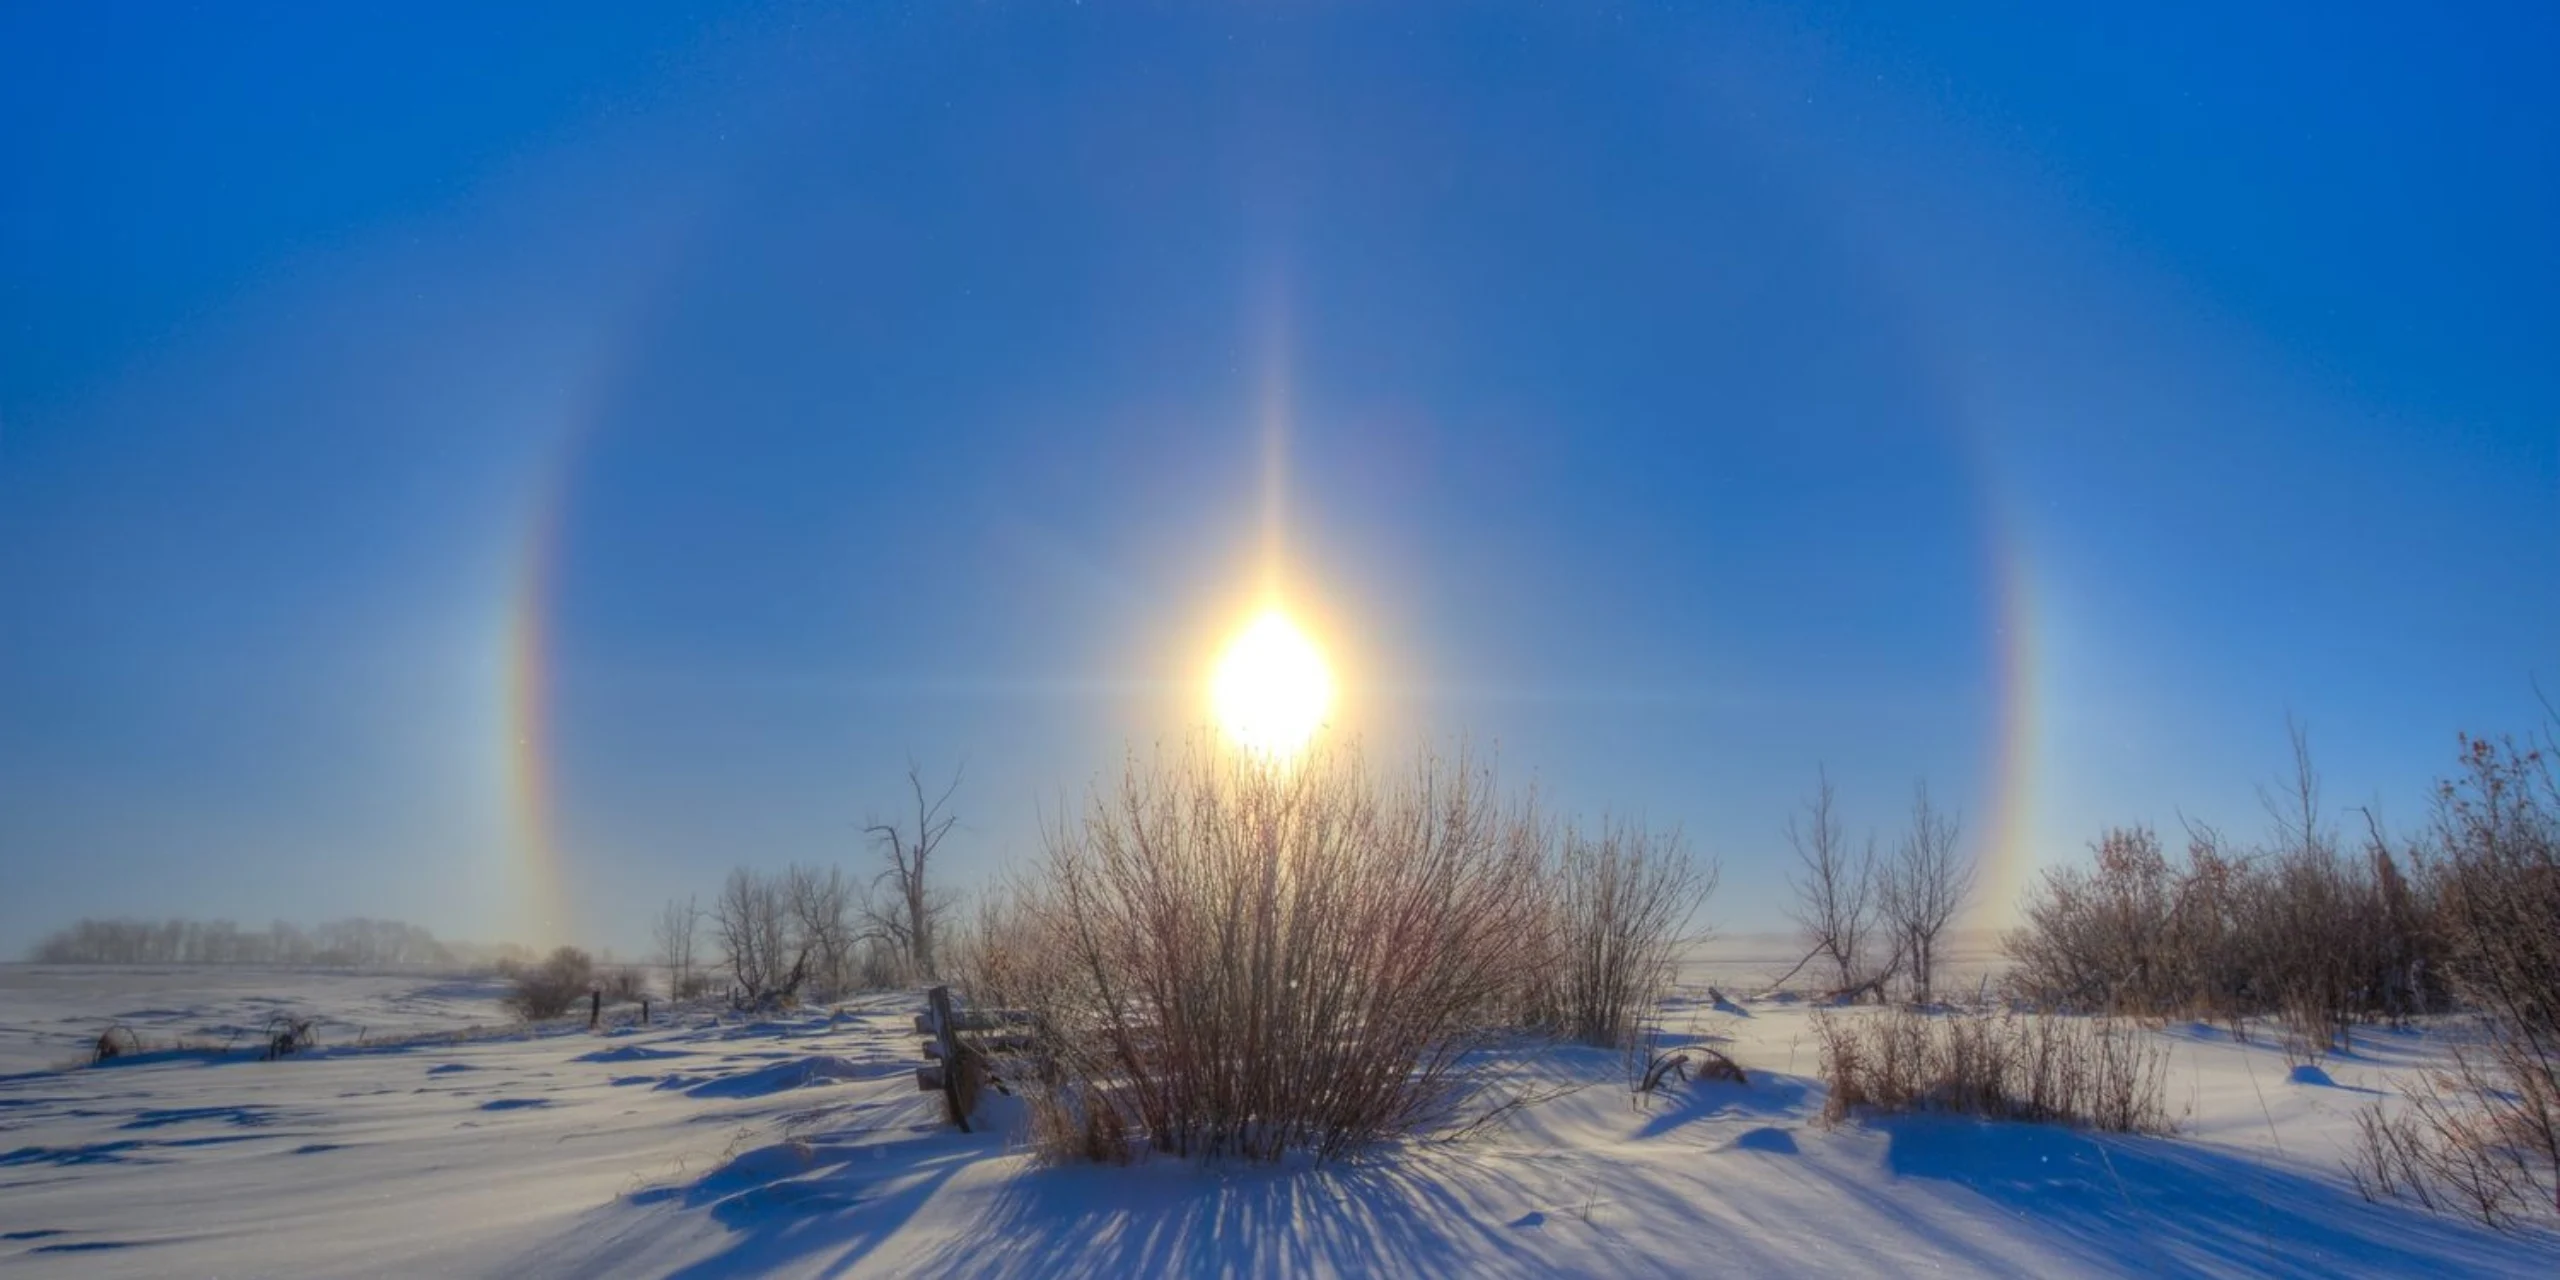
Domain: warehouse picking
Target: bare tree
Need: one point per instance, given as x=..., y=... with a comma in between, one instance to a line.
x=753, y=921
x=822, y=907
x=1834, y=906
x=674, y=932
x=913, y=908
x=2296, y=809
x=1923, y=889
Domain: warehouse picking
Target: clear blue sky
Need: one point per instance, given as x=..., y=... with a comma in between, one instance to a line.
x=1677, y=398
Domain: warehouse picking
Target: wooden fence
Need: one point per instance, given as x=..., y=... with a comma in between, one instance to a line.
x=967, y=1049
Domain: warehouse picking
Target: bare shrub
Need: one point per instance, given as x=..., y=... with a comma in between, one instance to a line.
x=2005, y=1066
x=992, y=956
x=2318, y=938
x=2307, y=930
x=2482, y=1135
x=2448, y=1153
x=547, y=990
x=2100, y=937
x=1071, y=1123
x=1617, y=902
x=1243, y=960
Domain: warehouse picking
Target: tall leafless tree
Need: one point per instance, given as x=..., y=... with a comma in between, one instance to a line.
x=822, y=908
x=1835, y=898
x=1923, y=889
x=674, y=932
x=2296, y=808
x=906, y=907
x=753, y=920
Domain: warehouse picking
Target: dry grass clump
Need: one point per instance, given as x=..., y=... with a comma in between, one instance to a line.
x=117, y=1041
x=284, y=1036
x=1240, y=960
x=2455, y=1149
x=2006, y=1066
x=1693, y=1062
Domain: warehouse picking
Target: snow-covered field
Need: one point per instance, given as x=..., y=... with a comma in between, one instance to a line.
x=52, y=1014
x=800, y=1146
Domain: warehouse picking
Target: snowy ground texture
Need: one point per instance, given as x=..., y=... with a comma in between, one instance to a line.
x=800, y=1146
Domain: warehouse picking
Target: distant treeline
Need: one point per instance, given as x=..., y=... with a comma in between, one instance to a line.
x=355, y=943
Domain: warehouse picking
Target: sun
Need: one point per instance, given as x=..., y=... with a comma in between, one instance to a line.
x=1273, y=689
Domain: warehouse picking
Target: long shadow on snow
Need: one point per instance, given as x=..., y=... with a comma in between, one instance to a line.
x=795, y=1073
x=244, y=1117
x=790, y=1204
x=791, y=1200
x=491, y=989
x=2153, y=1206
x=630, y=1053
x=1776, y=1096
x=121, y=1151
x=1396, y=1216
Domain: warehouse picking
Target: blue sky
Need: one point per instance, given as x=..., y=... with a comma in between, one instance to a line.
x=1676, y=399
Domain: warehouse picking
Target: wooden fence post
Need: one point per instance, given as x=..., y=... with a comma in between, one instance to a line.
x=946, y=1033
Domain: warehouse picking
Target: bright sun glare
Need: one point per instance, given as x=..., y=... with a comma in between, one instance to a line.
x=1272, y=690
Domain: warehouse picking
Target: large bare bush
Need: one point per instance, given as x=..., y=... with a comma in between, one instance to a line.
x=1241, y=960
x=2319, y=938
x=547, y=990
x=2104, y=937
x=2482, y=1135
x=992, y=955
x=1618, y=901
